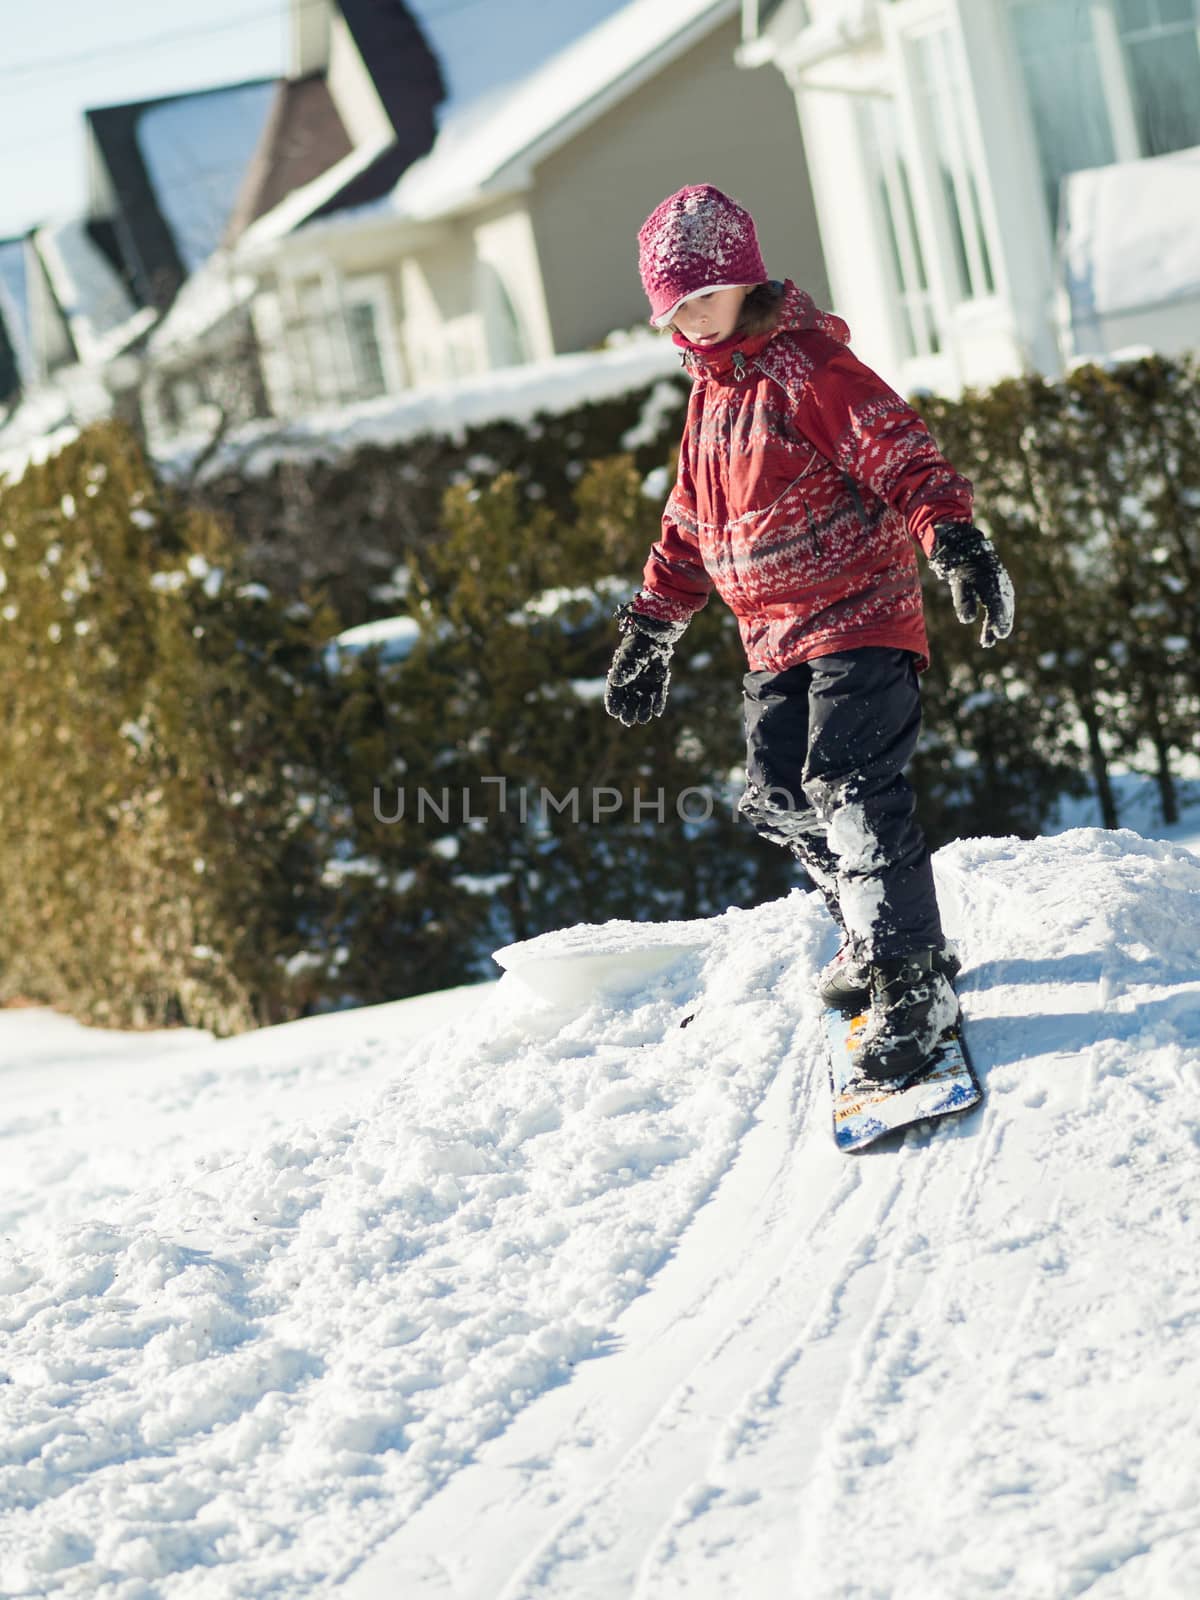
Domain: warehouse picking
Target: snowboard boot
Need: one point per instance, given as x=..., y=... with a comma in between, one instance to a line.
x=845, y=982
x=912, y=1005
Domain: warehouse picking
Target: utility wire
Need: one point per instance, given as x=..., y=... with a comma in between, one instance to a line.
x=25, y=69
x=86, y=58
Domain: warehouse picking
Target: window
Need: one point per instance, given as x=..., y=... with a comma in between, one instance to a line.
x=757, y=13
x=939, y=89
x=1160, y=42
x=374, y=356
x=502, y=325
x=1108, y=80
x=369, y=376
x=890, y=173
x=325, y=380
x=1058, y=58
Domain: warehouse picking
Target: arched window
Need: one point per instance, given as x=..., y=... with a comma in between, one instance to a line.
x=506, y=342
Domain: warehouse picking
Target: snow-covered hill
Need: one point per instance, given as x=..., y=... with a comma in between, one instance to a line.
x=558, y=1287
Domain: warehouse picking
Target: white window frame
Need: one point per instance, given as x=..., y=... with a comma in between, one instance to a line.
x=504, y=334
x=1115, y=82
x=327, y=373
x=916, y=21
x=922, y=336
x=373, y=289
x=1116, y=79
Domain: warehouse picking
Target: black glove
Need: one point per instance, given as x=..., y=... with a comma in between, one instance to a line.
x=966, y=559
x=641, y=667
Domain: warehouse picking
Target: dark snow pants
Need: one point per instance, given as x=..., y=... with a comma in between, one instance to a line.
x=826, y=747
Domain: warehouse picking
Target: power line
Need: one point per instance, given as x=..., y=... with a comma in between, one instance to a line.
x=87, y=58
x=53, y=64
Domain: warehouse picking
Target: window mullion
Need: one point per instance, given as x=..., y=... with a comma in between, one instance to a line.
x=1115, y=81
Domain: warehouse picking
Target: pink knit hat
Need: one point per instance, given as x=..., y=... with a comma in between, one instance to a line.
x=698, y=239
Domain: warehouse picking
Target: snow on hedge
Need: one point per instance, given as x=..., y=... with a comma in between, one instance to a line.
x=513, y=394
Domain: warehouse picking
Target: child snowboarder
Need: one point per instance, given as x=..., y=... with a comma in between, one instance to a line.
x=803, y=482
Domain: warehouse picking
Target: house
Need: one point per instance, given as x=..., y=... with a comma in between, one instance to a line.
x=356, y=108
x=173, y=181
x=353, y=230
x=982, y=172
x=63, y=315
x=513, y=238
x=162, y=175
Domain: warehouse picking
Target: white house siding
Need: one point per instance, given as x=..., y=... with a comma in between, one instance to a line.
x=700, y=120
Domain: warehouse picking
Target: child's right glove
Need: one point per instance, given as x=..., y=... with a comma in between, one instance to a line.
x=966, y=559
x=641, y=667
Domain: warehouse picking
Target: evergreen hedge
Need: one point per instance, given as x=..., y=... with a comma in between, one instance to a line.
x=159, y=857
x=205, y=817
x=1090, y=487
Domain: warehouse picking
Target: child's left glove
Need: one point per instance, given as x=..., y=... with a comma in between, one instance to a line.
x=966, y=559
x=641, y=667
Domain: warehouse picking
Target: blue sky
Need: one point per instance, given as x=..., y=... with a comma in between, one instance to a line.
x=62, y=56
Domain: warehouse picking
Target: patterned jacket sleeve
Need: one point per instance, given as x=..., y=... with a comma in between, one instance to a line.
x=674, y=583
x=875, y=437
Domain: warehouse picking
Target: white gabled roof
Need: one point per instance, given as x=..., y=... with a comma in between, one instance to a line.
x=14, y=304
x=96, y=304
x=492, y=144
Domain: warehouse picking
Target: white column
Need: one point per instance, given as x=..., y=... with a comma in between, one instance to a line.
x=1019, y=232
x=856, y=256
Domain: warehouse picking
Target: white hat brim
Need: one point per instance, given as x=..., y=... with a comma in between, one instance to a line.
x=709, y=288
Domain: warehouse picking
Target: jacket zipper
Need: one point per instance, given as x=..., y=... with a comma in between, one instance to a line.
x=812, y=532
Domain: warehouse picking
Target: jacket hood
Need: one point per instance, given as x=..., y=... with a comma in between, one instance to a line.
x=799, y=313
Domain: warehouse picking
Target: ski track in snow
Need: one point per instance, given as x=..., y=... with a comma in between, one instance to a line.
x=587, y=1304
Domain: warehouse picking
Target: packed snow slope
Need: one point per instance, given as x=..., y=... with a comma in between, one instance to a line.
x=571, y=1294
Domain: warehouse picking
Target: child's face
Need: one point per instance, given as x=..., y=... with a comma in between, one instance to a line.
x=710, y=317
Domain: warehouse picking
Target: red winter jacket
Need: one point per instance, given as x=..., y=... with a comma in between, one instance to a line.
x=803, y=482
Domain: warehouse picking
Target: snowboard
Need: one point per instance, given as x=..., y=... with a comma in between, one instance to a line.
x=865, y=1110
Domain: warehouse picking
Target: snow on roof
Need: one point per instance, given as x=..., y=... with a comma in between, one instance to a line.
x=482, y=46
x=503, y=122
x=14, y=304
x=1131, y=235
x=197, y=149
x=99, y=311
x=497, y=137
x=49, y=416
